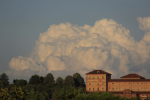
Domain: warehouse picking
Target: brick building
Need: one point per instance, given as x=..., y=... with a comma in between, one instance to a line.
x=131, y=85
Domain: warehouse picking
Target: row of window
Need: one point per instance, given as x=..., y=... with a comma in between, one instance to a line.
x=97, y=84
x=90, y=77
x=97, y=89
x=129, y=83
x=125, y=89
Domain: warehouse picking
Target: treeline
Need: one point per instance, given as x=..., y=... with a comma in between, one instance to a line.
x=46, y=88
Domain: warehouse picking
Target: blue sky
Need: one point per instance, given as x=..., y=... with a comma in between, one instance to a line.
x=21, y=23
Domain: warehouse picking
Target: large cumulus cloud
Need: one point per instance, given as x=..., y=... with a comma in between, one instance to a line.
x=67, y=48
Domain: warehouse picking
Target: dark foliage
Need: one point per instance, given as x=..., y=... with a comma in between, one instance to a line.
x=4, y=79
x=35, y=79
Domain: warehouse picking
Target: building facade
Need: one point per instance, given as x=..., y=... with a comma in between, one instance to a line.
x=131, y=85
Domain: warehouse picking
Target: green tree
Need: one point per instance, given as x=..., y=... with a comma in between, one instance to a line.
x=49, y=80
x=79, y=81
x=41, y=79
x=35, y=79
x=20, y=82
x=4, y=95
x=37, y=95
x=69, y=81
x=16, y=93
x=59, y=82
x=5, y=79
x=1, y=84
x=32, y=94
x=42, y=97
x=26, y=95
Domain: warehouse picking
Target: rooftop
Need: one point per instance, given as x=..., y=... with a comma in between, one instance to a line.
x=133, y=75
x=98, y=72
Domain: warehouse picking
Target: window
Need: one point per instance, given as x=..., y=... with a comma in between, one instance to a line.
x=142, y=83
x=146, y=88
x=132, y=95
x=138, y=89
x=93, y=77
x=97, y=77
x=89, y=83
x=125, y=88
x=121, y=89
x=97, y=83
x=113, y=89
x=133, y=89
x=112, y=83
x=93, y=89
x=102, y=83
x=146, y=83
x=102, y=77
x=102, y=88
x=120, y=83
x=93, y=83
x=117, y=89
x=89, y=77
x=125, y=83
x=125, y=95
x=137, y=83
x=142, y=89
x=129, y=88
x=116, y=83
x=90, y=89
x=98, y=89
x=129, y=83
x=133, y=83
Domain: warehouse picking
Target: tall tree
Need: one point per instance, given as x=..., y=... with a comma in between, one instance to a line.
x=79, y=81
x=1, y=84
x=69, y=81
x=59, y=82
x=20, y=82
x=49, y=79
x=41, y=79
x=5, y=79
x=35, y=79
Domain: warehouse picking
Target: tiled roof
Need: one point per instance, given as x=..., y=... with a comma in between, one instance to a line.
x=133, y=75
x=98, y=72
x=129, y=80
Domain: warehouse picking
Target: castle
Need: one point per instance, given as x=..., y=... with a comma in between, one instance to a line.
x=131, y=85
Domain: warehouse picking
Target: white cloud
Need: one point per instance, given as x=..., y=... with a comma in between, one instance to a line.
x=144, y=23
x=71, y=48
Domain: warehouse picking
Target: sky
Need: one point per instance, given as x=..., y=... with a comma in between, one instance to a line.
x=64, y=37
